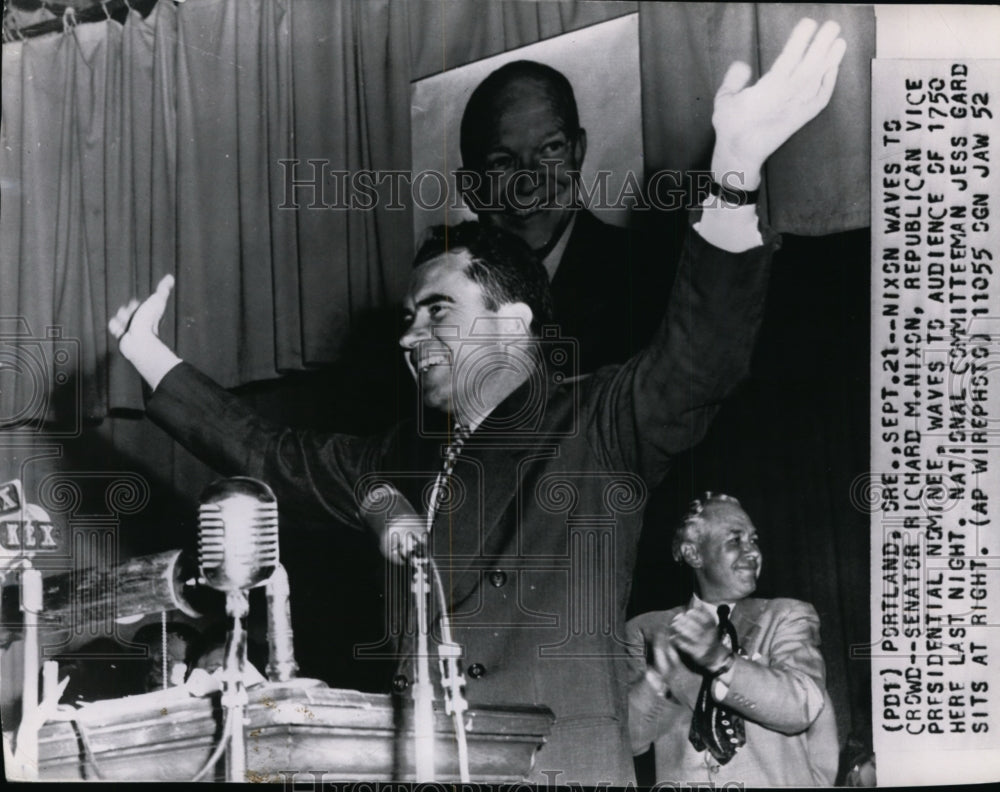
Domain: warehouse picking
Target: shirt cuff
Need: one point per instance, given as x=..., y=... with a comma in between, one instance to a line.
x=720, y=685
x=150, y=357
x=730, y=228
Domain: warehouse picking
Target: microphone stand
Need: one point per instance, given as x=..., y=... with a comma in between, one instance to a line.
x=27, y=735
x=281, y=665
x=452, y=680
x=423, y=688
x=234, y=692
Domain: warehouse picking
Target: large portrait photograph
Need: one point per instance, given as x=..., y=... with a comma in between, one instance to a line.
x=557, y=393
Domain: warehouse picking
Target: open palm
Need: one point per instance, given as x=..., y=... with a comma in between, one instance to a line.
x=751, y=123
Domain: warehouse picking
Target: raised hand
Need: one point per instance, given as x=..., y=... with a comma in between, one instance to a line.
x=751, y=123
x=136, y=326
x=137, y=322
x=695, y=633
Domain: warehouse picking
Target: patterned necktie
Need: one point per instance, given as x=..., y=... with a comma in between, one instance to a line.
x=714, y=727
x=459, y=435
x=439, y=496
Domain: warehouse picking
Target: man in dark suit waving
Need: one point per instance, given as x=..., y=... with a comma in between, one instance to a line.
x=475, y=343
x=733, y=688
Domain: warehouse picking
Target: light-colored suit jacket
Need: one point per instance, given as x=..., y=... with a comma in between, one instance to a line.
x=778, y=685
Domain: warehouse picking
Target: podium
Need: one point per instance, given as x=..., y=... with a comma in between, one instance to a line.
x=299, y=727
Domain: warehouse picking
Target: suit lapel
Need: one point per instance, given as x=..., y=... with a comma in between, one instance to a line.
x=747, y=621
x=575, y=254
x=490, y=473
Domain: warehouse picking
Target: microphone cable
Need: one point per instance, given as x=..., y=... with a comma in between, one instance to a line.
x=452, y=679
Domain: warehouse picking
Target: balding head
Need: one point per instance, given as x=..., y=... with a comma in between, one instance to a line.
x=718, y=541
x=499, y=91
x=522, y=150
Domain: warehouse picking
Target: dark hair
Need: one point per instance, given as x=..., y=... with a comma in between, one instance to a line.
x=480, y=116
x=503, y=265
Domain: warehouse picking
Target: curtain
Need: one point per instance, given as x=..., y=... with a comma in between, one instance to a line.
x=446, y=35
x=815, y=184
x=167, y=145
x=170, y=144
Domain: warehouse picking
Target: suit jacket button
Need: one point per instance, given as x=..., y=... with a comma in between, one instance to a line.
x=498, y=578
x=476, y=670
x=400, y=683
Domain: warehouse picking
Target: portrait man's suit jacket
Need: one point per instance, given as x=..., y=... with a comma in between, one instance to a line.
x=537, y=543
x=778, y=686
x=608, y=288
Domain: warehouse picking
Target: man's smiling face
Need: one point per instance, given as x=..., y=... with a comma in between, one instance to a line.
x=443, y=310
x=727, y=560
x=438, y=311
x=537, y=198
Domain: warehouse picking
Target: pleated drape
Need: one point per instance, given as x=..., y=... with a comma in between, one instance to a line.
x=815, y=184
x=169, y=145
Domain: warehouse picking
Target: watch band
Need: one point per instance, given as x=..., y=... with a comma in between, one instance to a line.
x=727, y=663
x=734, y=195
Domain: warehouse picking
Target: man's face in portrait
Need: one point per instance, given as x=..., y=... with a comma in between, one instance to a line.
x=525, y=169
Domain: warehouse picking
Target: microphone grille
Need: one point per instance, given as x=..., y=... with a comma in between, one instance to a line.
x=237, y=533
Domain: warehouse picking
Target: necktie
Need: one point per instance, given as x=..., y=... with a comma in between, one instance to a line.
x=459, y=435
x=439, y=496
x=714, y=727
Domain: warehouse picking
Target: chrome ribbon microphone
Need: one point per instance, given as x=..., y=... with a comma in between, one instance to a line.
x=237, y=550
x=237, y=534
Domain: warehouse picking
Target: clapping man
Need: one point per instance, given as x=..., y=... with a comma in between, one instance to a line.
x=730, y=688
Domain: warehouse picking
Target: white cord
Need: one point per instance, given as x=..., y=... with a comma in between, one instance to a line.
x=448, y=651
x=433, y=504
x=451, y=678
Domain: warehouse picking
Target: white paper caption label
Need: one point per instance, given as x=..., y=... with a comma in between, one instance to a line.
x=935, y=409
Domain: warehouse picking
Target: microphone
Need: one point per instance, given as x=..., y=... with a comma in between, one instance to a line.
x=237, y=550
x=391, y=516
x=237, y=534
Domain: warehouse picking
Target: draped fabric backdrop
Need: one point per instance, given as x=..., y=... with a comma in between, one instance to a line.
x=165, y=145
x=156, y=147
x=131, y=151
